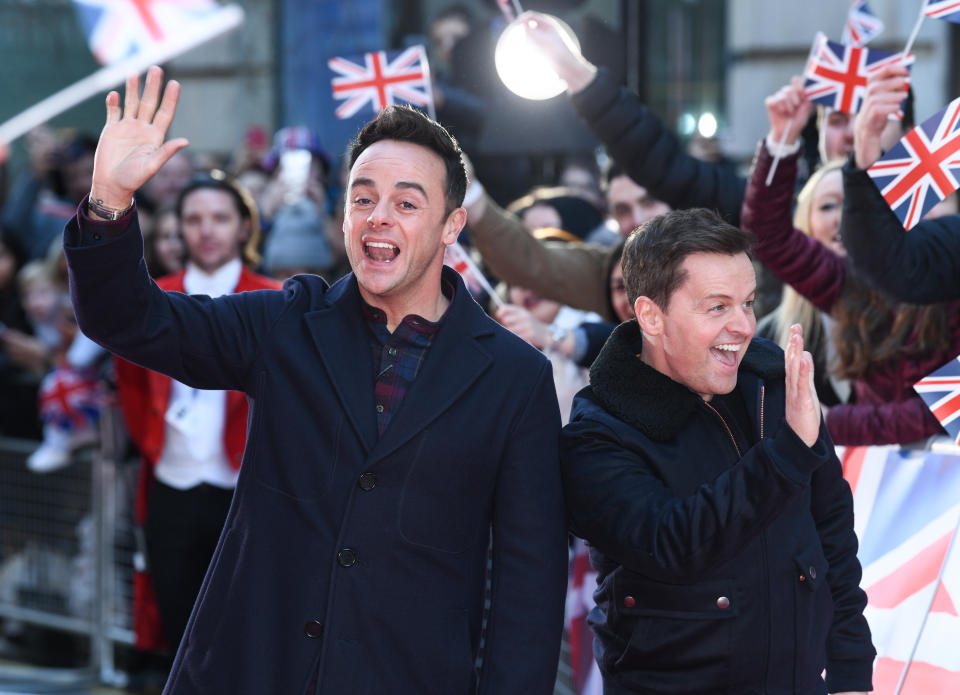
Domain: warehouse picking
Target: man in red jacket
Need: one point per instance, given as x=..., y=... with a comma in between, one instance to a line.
x=191, y=440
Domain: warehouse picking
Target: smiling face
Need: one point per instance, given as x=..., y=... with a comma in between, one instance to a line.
x=395, y=225
x=213, y=229
x=826, y=209
x=702, y=335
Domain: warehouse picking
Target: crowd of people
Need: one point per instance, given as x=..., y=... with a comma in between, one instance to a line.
x=575, y=279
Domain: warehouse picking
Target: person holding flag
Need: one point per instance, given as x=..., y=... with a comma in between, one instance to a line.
x=396, y=432
x=921, y=266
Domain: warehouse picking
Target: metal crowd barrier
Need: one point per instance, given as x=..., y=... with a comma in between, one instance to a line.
x=67, y=548
x=66, y=554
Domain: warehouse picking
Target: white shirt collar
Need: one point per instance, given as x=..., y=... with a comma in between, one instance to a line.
x=221, y=281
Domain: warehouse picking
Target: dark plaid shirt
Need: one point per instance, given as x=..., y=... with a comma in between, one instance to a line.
x=398, y=356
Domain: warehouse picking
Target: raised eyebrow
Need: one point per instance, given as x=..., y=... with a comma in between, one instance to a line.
x=361, y=182
x=414, y=185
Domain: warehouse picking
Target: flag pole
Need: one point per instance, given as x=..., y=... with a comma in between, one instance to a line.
x=112, y=75
x=916, y=29
x=926, y=614
x=776, y=157
x=818, y=42
x=507, y=10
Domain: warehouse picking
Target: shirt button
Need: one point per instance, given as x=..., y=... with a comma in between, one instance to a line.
x=368, y=481
x=379, y=408
x=723, y=603
x=392, y=351
x=313, y=629
x=347, y=557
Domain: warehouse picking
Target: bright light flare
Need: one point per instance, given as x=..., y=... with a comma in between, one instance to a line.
x=707, y=125
x=522, y=67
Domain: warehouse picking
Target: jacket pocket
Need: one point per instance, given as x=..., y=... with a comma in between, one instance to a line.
x=675, y=634
x=813, y=615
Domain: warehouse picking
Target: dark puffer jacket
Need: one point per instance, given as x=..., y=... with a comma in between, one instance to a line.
x=718, y=572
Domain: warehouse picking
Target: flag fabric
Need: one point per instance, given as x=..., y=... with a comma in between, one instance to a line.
x=70, y=399
x=940, y=390
x=457, y=258
x=906, y=513
x=862, y=25
x=371, y=82
x=118, y=29
x=836, y=75
x=581, y=583
x=923, y=168
x=943, y=9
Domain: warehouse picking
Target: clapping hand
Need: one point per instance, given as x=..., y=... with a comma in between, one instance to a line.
x=802, y=403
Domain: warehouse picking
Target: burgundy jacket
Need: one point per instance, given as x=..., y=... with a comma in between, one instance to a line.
x=885, y=408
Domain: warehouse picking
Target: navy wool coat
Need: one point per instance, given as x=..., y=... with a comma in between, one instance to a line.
x=350, y=560
x=721, y=570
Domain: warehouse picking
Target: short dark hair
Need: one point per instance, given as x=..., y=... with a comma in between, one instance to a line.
x=406, y=124
x=655, y=251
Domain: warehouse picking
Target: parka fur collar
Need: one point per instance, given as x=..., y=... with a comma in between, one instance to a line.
x=653, y=403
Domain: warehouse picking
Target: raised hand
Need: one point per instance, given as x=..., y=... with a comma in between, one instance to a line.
x=564, y=58
x=788, y=110
x=522, y=323
x=131, y=147
x=886, y=90
x=802, y=404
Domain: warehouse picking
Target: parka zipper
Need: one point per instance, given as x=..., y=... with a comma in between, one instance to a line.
x=763, y=542
x=726, y=427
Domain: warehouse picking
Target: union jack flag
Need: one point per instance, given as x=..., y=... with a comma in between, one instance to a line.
x=923, y=168
x=117, y=29
x=380, y=79
x=457, y=258
x=906, y=511
x=941, y=392
x=581, y=583
x=862, y=25
x=836, y=75
x=70, y=398
x=943, y=9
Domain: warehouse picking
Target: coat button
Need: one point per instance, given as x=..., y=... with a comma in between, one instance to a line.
x=368, y=481
x=723, y=603
x=812, y=571
x=629, y=601
x=347, y=557
x=313, y=629
x=392, y=351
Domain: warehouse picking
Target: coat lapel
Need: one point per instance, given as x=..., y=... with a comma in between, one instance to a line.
x=340, y=336
x=456, y=359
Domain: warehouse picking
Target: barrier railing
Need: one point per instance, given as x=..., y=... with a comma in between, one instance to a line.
x=66, y=551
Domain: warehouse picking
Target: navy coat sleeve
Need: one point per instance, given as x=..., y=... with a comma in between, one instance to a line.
x=849, y=649
x=619, y=504
x=529, y=554
x=652, y=155
x=920, y=267
x=201, y=342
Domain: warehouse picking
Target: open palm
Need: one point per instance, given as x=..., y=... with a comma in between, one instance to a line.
x=131, y=147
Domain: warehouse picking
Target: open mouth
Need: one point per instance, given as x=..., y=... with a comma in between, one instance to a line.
x=726, y=354
x=380, y=251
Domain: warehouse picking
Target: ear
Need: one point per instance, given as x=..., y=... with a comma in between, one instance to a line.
x=453, y=225
x=649, y=316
